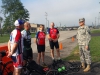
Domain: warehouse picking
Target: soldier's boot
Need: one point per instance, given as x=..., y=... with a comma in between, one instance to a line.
x=83, y=65
x=87, y=68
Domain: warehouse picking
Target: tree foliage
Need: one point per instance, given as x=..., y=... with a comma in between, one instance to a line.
x=12, y=10
x=1, y=19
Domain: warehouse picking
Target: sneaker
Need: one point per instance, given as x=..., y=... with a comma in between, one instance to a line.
x=53, y=61
x=43, y=64
x=59, y=60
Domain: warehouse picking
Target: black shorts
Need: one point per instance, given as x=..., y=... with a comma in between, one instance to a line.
x=41, y=48
x=27, y=54
x=54, y=44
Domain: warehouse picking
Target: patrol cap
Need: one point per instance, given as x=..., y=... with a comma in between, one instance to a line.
x=18, y=22
x=81, y=19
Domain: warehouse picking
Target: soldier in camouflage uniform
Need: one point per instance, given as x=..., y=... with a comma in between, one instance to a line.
x=84, y=37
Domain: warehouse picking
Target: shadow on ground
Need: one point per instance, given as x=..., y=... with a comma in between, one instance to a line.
x=95, y=70
x=95, y=66
x=48, y=59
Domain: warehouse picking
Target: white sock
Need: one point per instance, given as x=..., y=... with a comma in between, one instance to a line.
x=59, y=58
x=53, y=58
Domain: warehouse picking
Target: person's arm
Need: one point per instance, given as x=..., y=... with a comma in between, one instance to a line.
x=58, y=35
x=88, y=37
x=36, y=38
x=14, y=48
x=9, y=49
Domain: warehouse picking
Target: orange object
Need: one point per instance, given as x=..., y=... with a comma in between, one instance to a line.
x=73, y=39
x=5, y=59
x=5, y=47
x=8, y=65
x=60, y=46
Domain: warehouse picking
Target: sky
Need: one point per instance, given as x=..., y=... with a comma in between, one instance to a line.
x=64, y=12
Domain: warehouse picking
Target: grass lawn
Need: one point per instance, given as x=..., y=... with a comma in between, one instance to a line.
x=33, y=35
x=5, y=37
x=95, y=31
x=94, y=49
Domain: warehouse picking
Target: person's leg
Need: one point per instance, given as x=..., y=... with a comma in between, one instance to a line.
x=52, y=49
x=58, y=53
x=38, y=58
x=30, y=54
x=24, y=62
x=17, y=63
x=25, y=57
x=82, y=57
x=57, y=50
x=42, y=56
x=43, y=53
x=17, y=71
x=52, y=54
x=39, y=54
x=87, y=59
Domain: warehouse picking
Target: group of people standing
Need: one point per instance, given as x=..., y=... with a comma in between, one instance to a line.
x=53, y=36
x=19, y=44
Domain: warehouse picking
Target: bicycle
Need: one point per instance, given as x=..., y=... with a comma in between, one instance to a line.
x=60, y=68
x=31, y=68
x=56, y=68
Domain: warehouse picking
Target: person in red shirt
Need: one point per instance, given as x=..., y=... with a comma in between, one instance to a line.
x=40, y=42
x=53, y=36
x=15, y=47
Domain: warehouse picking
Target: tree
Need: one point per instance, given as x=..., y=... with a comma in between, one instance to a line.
x=13, y=9
x=1, y=19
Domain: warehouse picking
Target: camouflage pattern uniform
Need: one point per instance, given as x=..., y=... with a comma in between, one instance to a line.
x=84, y=37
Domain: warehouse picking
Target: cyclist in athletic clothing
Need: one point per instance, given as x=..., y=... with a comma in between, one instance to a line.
x=15, y=47
x=40, y=42
x=26, y=41
x=53, y=36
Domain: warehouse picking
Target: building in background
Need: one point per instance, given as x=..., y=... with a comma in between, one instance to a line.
x=34, y=27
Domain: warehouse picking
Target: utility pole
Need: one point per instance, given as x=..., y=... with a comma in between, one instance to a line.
x=48, y=23
x=46, y=19
x=95, y=21
x=60, y=24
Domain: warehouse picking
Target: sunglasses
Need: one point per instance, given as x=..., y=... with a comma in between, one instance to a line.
x=81, y=22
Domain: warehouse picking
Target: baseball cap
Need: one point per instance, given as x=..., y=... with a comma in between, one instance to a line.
x=81, y=19
x=18, y=22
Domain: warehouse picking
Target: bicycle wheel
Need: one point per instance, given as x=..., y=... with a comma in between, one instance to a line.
x=34, y=73
x=24, y=71
x=53, y=72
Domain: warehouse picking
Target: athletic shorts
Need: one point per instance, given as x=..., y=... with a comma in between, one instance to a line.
x=41, y=48
x=17, y=61
x=54, y=44
x=27, y=54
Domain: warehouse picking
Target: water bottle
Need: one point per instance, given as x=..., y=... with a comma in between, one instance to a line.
x=61, y=69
